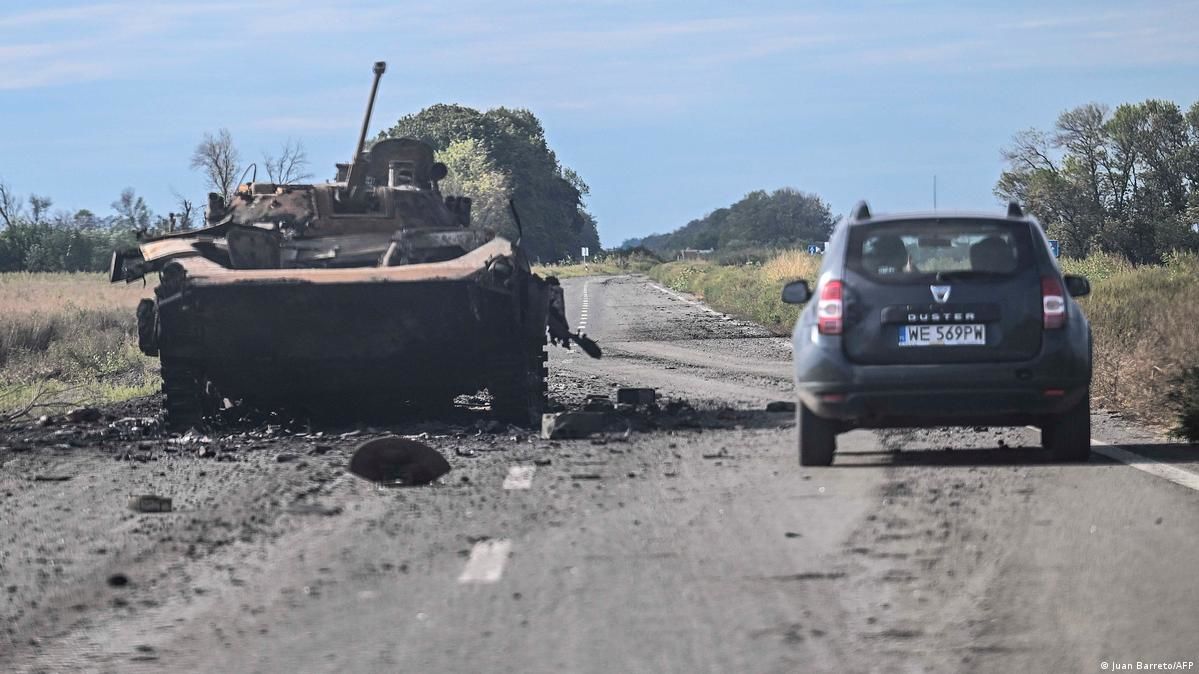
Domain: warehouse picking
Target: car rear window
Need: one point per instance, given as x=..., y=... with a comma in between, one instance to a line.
x=911, y=250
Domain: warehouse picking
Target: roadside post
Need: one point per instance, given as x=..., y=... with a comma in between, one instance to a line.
x=586, y=251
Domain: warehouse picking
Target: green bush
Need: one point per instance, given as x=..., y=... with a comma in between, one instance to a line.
x=1184, y=398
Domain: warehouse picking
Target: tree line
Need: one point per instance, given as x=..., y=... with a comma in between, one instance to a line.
x=35, y=238
x=1124, y=181
x=784, y=218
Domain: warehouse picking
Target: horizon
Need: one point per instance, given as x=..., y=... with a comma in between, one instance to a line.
x=667, y=110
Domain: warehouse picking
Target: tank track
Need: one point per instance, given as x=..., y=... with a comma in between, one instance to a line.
x=185, y=397
x=518, y=389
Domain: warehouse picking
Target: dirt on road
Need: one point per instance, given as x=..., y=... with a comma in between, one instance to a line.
x=687, y=540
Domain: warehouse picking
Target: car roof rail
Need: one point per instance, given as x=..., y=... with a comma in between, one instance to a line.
x=1014, y=210
x=861, y=211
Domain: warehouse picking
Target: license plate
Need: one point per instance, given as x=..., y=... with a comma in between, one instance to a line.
x=943, y=335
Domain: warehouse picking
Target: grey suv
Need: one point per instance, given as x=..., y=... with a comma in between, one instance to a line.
x=941, y=319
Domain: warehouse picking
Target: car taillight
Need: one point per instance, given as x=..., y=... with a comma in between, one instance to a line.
x=829, y=308
x=1053, y=302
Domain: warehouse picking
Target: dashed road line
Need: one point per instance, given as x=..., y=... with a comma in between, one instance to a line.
x=486, y=563
x=583, y=308
x=519, y=477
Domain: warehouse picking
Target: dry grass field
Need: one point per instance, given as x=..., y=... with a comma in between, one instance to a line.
x=69, y=339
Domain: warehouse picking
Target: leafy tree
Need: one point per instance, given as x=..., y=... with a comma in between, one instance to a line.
x=1123, y=181
x=39, y=206
x=132, y=212
x=548, y=195
x=472, y=173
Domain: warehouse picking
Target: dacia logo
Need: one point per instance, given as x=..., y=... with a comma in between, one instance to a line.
x=940, y=293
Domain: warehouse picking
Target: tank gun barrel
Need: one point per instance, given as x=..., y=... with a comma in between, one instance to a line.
x=380, y=67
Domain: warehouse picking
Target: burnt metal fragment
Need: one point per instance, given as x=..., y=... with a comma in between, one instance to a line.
x=150, y=503
x=398, y=461
x=636, y=396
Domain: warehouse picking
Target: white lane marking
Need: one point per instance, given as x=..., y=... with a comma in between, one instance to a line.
x=1165, y=471
x=693, y=303
x=1174, y=474
x=486, y=563
x=519, y=477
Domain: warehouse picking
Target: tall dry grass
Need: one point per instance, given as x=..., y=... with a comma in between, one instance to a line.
x=748, y=290
x=29, y=293
x=1144, y=323
x=70, y=339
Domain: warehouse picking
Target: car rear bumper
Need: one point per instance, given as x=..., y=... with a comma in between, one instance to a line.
x=1009, y=393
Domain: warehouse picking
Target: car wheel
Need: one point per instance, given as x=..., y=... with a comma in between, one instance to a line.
x=1067, y=436
x=817, y=438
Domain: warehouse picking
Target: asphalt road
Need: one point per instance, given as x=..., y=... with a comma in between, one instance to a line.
x=700, y=549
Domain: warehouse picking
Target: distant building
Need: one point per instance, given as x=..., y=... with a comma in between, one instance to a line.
x=694, y=253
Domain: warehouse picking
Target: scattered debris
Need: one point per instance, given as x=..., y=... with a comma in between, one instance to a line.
x=398, y=461
x=566, y=425
x=134, y=426
x=598, y=403
x=83, y=414
x=191, y=437
x=780, y=406
x=150, y=503
x=636, y=396
x=44, y=421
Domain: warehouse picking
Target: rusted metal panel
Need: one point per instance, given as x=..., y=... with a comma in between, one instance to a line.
x=204, y=272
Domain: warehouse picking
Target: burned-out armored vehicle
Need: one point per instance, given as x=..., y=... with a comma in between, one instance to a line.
x=368, y=293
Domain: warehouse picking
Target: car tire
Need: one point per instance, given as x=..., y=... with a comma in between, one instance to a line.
x=817, y=438
x=1067, y=436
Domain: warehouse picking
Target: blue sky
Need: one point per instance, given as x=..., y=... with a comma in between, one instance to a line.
x=667, y=109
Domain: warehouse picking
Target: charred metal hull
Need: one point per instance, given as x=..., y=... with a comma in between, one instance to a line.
x=356, y=341
x=301, y=344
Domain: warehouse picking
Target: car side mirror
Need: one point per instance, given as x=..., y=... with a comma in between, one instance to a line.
x=797, y=292
x=1077, y=286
